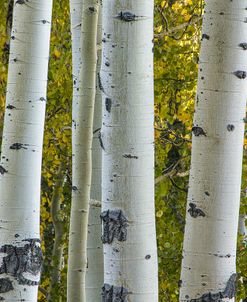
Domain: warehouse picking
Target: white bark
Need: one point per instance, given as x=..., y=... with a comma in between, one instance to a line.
x=130, y=259
x=95, y=272
x=83, y=109
x=20, y=167
x=209, y=252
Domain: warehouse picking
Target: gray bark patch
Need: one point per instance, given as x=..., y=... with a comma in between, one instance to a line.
x=5, y=285
x=240, y=74
x=20, y=260
x=194, y=211
x=198, y=131
x=114, y=226
x=112, y=293
x=108, y=104
x=3, y=170
x=228, y=293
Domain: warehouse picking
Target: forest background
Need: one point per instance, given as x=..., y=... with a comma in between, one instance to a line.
x=177, y=35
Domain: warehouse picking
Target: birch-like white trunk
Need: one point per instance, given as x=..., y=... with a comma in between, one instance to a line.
x=20, y=166
x=82, y=135
x=209, y=252
x=129, y=237
x=95, y=272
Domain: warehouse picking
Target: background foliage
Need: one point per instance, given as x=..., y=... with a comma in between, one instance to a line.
x=177, y=41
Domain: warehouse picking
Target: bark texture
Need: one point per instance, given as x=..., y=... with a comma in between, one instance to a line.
x=20, y=166
x=209, y=252
x=128, y=222
x=82, y=135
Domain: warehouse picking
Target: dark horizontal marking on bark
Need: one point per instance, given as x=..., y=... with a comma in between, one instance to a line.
x=112, y=293
x=243, y=46
x=20, y=260
x=5, y=285
x=245, y=119
x=230, y=127
x=44, y=21
x=3, y=170
x=221, y=256
x=108, y=104
x=42, y=99
x=205, y=36
x=130, y=156
x=198, y=131
x=21, y=1
x=240, y=74
x=74, y=188
x=10, y=107
x=127, y=17
x=101, y=141
x=228, y=293
x=207, y=193
x=114, y=226
x=18, y=146
x=194, y=211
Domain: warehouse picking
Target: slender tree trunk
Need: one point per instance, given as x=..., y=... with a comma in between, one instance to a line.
x=58, y=223
x=128, y=219
x=83, y=110
x=20, y=167
x=209, y=252
x=95, y=272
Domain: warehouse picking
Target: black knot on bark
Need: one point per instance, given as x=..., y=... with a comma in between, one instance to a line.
x=198, y=131
x=243, y=46
x=195, y=212
x=240, y=74
x=205, y=36
x=126, y=16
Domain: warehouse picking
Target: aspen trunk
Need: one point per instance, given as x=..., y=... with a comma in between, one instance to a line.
x=82, y=134
x=95, y=272
x=130, y=259
x=20, y=167
x=209, y=252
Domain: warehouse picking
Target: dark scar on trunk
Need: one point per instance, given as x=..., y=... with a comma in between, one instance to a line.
x=240, y=74
x=101, y=141
x=243, y=46
x=228, y=293
x=20, y=260
x=21, y=1
x=100, y=83
x=5, y=285
x=197, y=131
x=3, y=170
x=108, y=104
x=18, y=146
x=194, y=211
x=130, y=156
x=112, y=293
x=10, y=107
x=128, y=17
x=114, y=226
x=205, y=36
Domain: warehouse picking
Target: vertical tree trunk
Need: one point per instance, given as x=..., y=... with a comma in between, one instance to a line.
x=20, y=166
x=209, y=252
x=95, y=272
x=83, y=109
x=58, y=224
x=128, y=219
